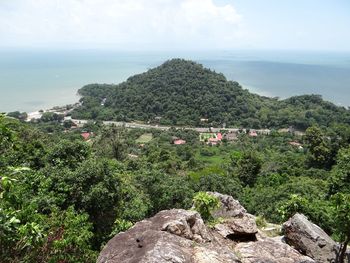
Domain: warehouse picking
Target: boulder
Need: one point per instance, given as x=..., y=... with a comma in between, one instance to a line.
x=229, y=206
x=180, y=236
x=176, y=236
x=309, y=239
x=269, y=250
x=236, y=224
x=187, y=224
x=239, y=229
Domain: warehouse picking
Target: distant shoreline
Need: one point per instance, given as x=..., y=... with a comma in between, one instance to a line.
x=55, y=77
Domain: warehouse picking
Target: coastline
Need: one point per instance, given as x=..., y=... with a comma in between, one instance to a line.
x=64, y=110
x=55, y=77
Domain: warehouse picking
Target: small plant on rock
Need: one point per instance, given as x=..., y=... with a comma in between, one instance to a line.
x=205, y=204
x=260, y=221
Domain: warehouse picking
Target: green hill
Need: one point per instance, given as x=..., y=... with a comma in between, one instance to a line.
x=183, y=92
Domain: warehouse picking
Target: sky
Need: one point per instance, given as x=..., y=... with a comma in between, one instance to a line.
x=176, y=24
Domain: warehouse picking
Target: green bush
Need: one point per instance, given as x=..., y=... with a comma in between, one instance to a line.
x=204, y=204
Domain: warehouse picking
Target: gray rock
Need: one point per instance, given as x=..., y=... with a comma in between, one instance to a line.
x=187, y=224
x=229, y=206
x=269, y=250
x=218, y=255
x=176, y=236
x=237, y=223
x=240, y=227
x=309, y=239
x=180, y=236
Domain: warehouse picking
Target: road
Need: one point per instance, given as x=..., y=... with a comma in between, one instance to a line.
x=165, y=128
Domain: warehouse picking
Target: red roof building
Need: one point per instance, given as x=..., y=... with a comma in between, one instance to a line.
x=86, y=135
x=253, y=133
x=179, y=142
x=219, y=136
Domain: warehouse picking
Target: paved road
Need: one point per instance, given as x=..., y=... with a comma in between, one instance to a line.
x=165, y=128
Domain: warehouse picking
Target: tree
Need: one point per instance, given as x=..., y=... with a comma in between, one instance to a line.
x=112, y=143
x=165, y=191
x=93, y=187
x=18, y=115
x=342, y=222
x=51, y=116
x=224, y=184
x=68, y=153
x=8, y=140
x=318, y=147
x=248, y=168
x=296, y=204
x=340, y=174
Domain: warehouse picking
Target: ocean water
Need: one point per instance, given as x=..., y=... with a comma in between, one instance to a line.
x=33, y=80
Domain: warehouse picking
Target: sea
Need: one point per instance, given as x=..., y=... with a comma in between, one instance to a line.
x=31, y=80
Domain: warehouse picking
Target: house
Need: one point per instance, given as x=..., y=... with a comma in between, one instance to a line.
x=213, y=141
x=296, y=144
x=86, y=135
x=231, y=136
x=292, y=130
x=179, y=142
x=284, y=130
x=252, y=133
x=219, y=136
x=133, y=156
x=67, y=118
x=74, y=126
x=204, y=120
x=157, y=119
x=299, y=133
x=264, y=132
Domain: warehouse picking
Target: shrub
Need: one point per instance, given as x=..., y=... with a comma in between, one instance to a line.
x=204, y=204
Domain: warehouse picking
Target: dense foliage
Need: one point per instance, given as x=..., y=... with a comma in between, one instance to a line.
x=62, y=198
x=181, y=92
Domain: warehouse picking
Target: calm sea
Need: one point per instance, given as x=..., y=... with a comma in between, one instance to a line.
x=33, y=80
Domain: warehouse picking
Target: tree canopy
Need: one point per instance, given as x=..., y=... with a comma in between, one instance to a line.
x=181, y=92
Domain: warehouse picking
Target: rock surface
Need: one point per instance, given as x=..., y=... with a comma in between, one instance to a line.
x=187, y=224
x=269, y=250
x=176, y=236
x=180, y=236
x=240, y=228
x=229, y=206
x=236, y=223
x=310, y=239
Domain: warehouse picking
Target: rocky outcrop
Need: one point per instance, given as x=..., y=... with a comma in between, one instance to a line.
x=309, y=239
x=176, y=236
x=236, y=224
x=269, y=250
x=229, y=207
x=180, y=236
x=238, y=229
x=187, y=224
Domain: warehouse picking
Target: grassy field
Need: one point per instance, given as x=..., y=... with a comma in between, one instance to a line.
x=213, y=156
x=145, y=138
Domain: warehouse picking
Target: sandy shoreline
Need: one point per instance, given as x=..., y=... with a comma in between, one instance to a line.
x=35, y=115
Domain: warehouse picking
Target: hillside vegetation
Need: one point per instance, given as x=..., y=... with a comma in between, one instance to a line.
x=183, y=92
x=62, y=198
x=66, y=189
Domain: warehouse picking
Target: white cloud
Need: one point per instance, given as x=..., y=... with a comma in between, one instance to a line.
x=123, y=23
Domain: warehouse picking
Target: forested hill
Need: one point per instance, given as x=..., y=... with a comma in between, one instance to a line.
x=183, y=92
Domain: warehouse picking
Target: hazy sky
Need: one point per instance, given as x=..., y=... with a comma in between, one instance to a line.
x=176, y=24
